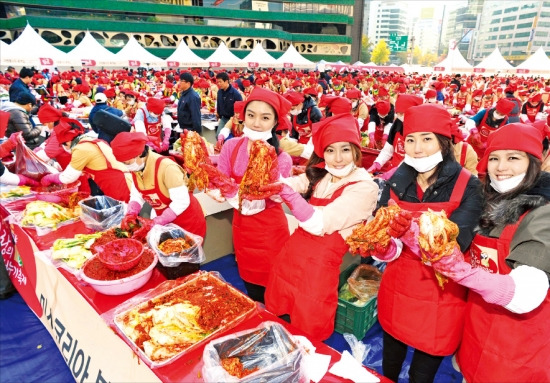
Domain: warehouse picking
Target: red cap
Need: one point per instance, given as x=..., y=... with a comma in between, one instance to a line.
x=128, y=145
x=477, y=93
x=295, y=98
x=311, y=91
x=340, y=105
x=155, y=105
x=430, y=93
x=427, y=118
x=326, y=99
x=67, y=130
x=506, y=138
x=246, y=83
x=382, y=92
x=383, y=107
x=48, y=113
x=238, y=108
x=279, y=103
x=353, y=93
x=534, y=99
x=505, y=106
x=405, y=101
x=438, y=85
x=339, y=128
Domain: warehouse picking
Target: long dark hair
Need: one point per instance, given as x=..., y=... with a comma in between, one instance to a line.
x=532, y=176
x=315, y=174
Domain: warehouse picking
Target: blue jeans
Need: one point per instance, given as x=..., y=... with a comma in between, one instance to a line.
x=221, y=124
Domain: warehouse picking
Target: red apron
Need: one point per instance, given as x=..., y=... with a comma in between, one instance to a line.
x=411, y=306
x=191, y=219
x=398, y=150
x=476, y=105
x=463, y=152
x=305, y=276
x=257, y=238
x=499, y=345
x=299, y=128
x=532, y=111
x=461, y=101
x=112, y=182
x=64, y=159
x=378, y=136
x=365, y=126
x=487, y=103
x=484, y=131
x=152, y=128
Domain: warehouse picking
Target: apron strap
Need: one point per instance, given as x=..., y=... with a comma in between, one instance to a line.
x=463, y=153
x=234, y=158
x=460, y=186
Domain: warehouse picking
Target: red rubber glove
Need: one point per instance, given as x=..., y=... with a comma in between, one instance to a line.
x=219, y=144
x=475, y=138
x=145, y=226
x=400, y=224
x=14, y=138
x=24, y=180
x=375, y=167
x=49, y=179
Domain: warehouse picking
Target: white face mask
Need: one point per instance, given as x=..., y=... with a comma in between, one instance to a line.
x=340, y=173
x=131, y=102
x=295, y=112
x=153, y=115
x=254, y=135
x=135, y=167
x=424, y=164
x=354, y=104
x=507, y=184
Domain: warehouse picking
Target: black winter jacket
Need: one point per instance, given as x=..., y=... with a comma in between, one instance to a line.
x=466, y=216
x=19, y=122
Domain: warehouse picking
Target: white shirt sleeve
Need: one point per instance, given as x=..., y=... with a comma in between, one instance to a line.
x=69, y=175
x=470, y=124
x=385, y=154
x=180, y=199
x=9, y=178
x=166, y=122
x=371, y=127
x=314, y=225
x=531, y=289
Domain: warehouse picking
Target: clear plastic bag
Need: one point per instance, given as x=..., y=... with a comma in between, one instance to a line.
x=29, y=164
x=101, y=212
x=160, y=233
x=268, y=350
x=364, y=282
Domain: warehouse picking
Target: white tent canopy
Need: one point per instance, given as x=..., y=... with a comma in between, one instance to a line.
x=292, y=59
x=30, y=49
x=494, y=63
x=453, y=63
x=91, y=53
x=183, y=56
x=134, y=55
x=222, y=57
x=537, y=63
x=258, y=57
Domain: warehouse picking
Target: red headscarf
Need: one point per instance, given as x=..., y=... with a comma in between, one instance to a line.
x=505, y=106
x=383, y=107
x=294, y=98
x=128, y=145
x=427, y=118
x=405, y=101
x=68, y=129
x=278, y=102
x=339, y=128
x=506, y=138
x=48, y=113
x=155, y=105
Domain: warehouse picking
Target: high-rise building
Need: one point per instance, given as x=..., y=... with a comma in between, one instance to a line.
x=517, y=28
x=319, y=29
x=386, y=18
x=461, y=27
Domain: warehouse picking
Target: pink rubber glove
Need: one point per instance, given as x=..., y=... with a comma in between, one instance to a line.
x=301, y=209
x=24, y=180
x=167, y=216
x=14, y=138
x=375, y=167
x=49, y=179
x=166, y=140
x=386, y=255
x=371, y=139
x=384, y=137
x=133, y=208
x=493, y=288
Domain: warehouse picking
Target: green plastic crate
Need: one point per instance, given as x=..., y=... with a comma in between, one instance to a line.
x=353, y=319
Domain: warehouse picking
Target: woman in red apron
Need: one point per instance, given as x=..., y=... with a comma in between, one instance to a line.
x=304, y=277
x=394, y=148
x=159, y=181
x=260, y=227
x=93, y=159
x=149, y=121
x=506, y=331
x=412, y=309
x=532, y=110
x=381, y=117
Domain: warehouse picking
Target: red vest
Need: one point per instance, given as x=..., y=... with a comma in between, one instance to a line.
x=303, y=138
x=476, y=105
x=411, y=306
x=152, y=128
x=499, y=345
x=532, y=111
x=398, y=150
x=461, y=101
x=304, y=278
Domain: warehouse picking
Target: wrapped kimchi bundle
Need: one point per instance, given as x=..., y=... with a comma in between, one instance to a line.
x=260, y=178
x=437, y=238
x=203, y=174
x=372, y=238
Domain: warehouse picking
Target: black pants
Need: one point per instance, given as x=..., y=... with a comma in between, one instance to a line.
x=423, y=366
x=255, y=292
